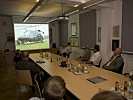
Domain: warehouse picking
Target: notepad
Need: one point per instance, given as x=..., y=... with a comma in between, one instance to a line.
x=96, y=79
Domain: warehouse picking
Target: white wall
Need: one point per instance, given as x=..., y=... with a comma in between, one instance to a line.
x=75, y=50
x=6, y=29
x=109, y=16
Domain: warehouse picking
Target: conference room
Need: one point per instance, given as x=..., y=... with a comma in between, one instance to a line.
x=87, y=43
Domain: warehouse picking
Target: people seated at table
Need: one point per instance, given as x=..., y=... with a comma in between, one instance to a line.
x=108, y=95
x=25, y=64
x=67, y=51
x=96, y=57
x=116, y=62
x=17, y=56
x=86, y=54
x=54, y=89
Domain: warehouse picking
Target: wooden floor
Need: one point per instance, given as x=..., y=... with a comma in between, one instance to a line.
x=8, y=83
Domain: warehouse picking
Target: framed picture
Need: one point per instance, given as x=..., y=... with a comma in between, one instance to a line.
x=99, y=34
x=71, y=41
x=115, y=44
x=76, y=41
x=116, y=31
x=73, y=29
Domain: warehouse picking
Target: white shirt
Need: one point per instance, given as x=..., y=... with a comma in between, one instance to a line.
x=68, y=49
x=95, y=58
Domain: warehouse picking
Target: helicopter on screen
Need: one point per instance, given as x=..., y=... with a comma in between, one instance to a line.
x=31, y=36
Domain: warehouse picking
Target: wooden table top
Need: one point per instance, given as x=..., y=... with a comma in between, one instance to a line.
x=78, y=85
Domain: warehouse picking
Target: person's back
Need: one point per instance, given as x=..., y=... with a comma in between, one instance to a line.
x=54, y=88
x=17, y=56
x=25, y=64
x=108, y=95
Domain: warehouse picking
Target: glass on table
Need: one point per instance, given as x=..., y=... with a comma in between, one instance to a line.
x=85, y=69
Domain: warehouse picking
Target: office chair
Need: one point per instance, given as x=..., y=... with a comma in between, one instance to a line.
x=24, y=78
x=99, y=63
x=121, y=69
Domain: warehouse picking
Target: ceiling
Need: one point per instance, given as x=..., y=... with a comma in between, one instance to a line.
x=48, y=10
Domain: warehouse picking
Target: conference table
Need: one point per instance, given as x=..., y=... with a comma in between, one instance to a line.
x=78, y=85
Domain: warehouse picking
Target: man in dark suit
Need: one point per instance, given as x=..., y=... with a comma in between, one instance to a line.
x=26, y=64
x=86, y=55
x=116, y=61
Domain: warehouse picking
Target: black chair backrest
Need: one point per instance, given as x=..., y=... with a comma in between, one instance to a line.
x=121, y=69
x=99, y=63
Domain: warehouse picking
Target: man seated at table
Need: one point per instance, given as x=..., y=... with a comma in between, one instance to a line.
x=26, y=64
x=86, y=54
x=96, y=57
x=116, y=61
x=17, y=56
x=108, y=95
x=67, y=51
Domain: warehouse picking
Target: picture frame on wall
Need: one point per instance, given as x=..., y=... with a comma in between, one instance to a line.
x=116, y=31
x=73, y=29
x=115, y=44
x=74, y=41
x=71, y=41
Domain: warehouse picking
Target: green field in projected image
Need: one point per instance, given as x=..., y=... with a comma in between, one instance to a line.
x=33, y=46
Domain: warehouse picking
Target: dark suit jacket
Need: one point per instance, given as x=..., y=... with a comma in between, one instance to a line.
x=27, y=65
x=115, y=65
x=86, y=56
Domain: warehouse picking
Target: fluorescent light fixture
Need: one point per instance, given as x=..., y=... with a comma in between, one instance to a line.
x=72, y=12
x=52, y=20
x=93, y=4
x=76, y=5
x=37, y=0
x=25, y=19
x=84, y=1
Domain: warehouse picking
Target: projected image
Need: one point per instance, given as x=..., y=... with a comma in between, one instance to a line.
x=31, y=36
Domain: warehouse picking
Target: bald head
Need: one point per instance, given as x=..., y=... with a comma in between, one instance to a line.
x=117, y=51
x=108, y=95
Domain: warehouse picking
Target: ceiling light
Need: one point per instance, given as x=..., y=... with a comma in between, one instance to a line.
x=25, y=19
x=63, y=17
x=37, y=0
x=94, y=4
x=76, y=5
x=72, y=12
x=84, y=1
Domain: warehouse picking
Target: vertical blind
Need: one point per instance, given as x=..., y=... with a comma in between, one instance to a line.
x=127, y=26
